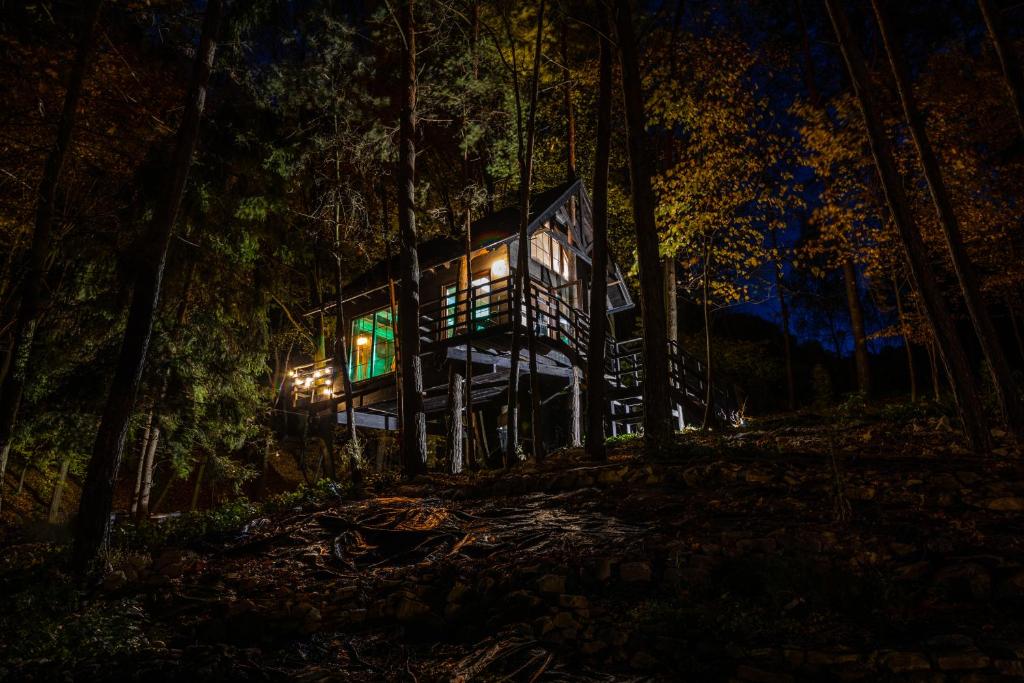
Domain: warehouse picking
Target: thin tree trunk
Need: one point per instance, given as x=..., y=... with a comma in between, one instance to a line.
x=657, y=413
x=905, y=331
x=708, y=365
x=860, y=338
x=261, y=485
x=199, y=483
x=671, y=301
x=341, y=347
x=964, y=385
x=142, y=461
x=521, y=290
x=570, y=113
x=576, y=423
x=21, y=479
x=414, y=435
x=787, y=342
x=93, y=525
x=29, y=308
x=984, y=329
x=147, y=473
x=468, y=271
x=455, y=427
x=1007, y=60
x=58, y=492
x=596, y=346
x=1015, y=326
x=934, y=367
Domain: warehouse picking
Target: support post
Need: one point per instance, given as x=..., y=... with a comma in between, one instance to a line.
x=455, y=430
x=576, y=440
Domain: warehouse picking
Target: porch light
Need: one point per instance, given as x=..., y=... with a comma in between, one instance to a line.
x=309, y=381
x=499, y=269
x=362, y=340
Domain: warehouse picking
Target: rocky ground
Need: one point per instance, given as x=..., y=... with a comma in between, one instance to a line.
x=875, y=550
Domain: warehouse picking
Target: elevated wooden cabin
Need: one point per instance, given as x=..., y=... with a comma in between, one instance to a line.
x=461, y=307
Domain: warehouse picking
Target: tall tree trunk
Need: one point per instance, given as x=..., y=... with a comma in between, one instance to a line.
x=148, y=464
x=860, y=338
x=199, y=483
x=29, y=309
x=570, y=113
x=21, y=478
x=93, y=525
x=657, y=415
x=905, y=332
x=984, y=329
x=787, y=342
x=455, y=427
x=58, y=492
x=596, y=347
x=709, y=376
x=964, y=385
x=671, y=300
x=146, y=433
x=521, y=291
x=468, y=270
x=1007, y=60
x=341, y=347
x=414, y=435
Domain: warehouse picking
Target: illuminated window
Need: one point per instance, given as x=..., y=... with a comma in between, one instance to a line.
x=373, y=345
x=548, y=252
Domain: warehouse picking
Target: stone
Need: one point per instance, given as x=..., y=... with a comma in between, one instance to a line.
x=1010, y=667
x=900, y=662
x=635, y=572
x=1011, y=587
x=758, y=477
x=565, y=620
x=1006, y=504
x=593, y=647
x=643, y=660
x=551, y=584
x=458, y=592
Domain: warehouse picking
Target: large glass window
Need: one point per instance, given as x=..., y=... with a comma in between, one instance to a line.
x=373, y=345
x=548, y=251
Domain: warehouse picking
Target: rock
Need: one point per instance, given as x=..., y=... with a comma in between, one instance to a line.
x=1006, y=504
x=612, y=476
x=543, y=625
x=634, y=572
x=593, y=647
x=900, y=662
x=114, y=581
x=749, y=673
x=551, y=584
x=1010, y=667
x=598, y=570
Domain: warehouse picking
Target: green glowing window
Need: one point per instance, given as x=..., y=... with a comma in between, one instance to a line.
x=373, y=345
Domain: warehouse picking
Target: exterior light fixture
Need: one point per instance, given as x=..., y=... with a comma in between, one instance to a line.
x=499, y=269
x=362, y=340
x=309, y=381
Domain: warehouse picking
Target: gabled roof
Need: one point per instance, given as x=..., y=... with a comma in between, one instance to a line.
x=493, y=229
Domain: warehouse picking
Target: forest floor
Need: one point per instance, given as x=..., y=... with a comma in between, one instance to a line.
x=871, y=549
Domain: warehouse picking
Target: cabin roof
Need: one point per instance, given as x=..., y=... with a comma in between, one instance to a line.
x=486, y=231
x=493, y=229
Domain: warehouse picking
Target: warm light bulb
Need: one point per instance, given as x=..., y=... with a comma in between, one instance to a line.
x=499, y=268
x=362, y=340
x=309, y=380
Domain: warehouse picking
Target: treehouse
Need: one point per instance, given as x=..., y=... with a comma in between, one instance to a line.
x=470, y=310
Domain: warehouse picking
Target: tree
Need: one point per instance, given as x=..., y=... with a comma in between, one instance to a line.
x=521, y=297
x=984, y=329
x=414, y=434
x=596, y=403
x=657, y=417
x=12, y=381
x=965, y=388
x=1007, y=61
x=93, y=524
